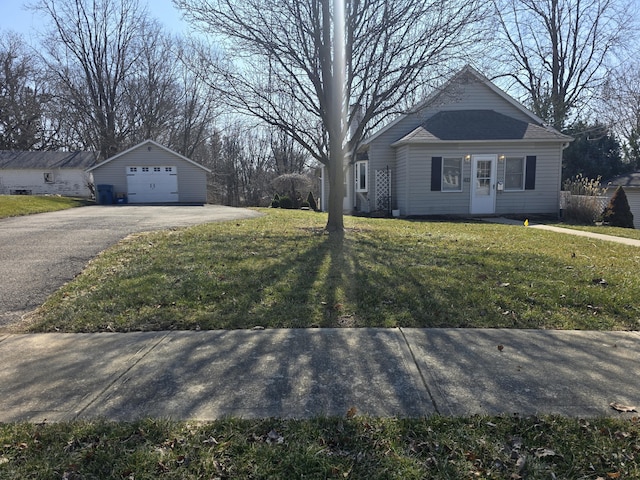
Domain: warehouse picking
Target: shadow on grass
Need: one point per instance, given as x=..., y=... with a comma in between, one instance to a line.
x=299, y=277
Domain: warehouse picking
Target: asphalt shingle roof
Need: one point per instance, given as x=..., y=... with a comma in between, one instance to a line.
x=626, y=180
x=16, y=159
x=479, y=125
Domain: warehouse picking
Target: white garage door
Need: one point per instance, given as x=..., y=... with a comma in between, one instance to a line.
x=152, y=184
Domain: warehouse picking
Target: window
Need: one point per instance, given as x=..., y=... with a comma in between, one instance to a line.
x=514, y=173
x=452, y=174
x=48, y=177
x=145, y=169
x=362, y=176
x=156, y=169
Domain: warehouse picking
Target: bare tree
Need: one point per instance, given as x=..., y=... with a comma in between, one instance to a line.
x=317, y=57
x=21, y=97
x=621, y=108
x=558, y=50
x=151, y=90
x=197, y=107
x=92, y=49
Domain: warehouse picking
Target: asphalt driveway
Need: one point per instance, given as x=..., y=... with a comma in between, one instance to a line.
x=40, y=253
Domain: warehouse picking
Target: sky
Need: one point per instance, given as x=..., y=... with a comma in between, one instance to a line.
x=13, y=16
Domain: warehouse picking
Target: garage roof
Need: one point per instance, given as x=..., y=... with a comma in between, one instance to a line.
x=148, y=143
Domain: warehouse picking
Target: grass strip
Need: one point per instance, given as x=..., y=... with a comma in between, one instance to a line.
x=281, y=271
x=354, y=448
x=17, y=205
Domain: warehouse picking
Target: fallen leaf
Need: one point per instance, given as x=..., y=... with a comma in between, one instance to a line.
x=613, y=475
x=274, y=437
x=504, y=284
x=545, y=452
x=599, y=281
x=622, y=408
x=500, y=347
x=352, y=412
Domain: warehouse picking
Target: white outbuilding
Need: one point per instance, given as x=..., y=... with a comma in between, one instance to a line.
x=45, y=173
x=150, y=173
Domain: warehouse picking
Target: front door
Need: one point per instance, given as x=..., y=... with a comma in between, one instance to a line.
x=483, y=184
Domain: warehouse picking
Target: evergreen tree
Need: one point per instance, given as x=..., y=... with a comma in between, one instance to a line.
x=312, y=202
x=618, y=213
x=595, y=152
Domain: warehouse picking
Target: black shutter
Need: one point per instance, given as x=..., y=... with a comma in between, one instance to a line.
x=530, y=173
x=436, y=174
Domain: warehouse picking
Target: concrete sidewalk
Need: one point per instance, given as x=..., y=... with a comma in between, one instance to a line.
x=309, y=372
x=568, y=231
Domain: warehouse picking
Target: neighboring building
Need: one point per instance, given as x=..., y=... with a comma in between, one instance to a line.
x=469, y=149
x=151, y=173
x=630, y=182
x=45, y=173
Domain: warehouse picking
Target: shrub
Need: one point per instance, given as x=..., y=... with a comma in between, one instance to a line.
x=304, y=204
x=618, y=213
x=276, y=197
x=584, y=199
x=312, y=202
x=275, y=203
x=286, y=202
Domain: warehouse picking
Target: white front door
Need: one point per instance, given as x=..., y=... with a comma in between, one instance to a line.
x=156, y=184
x=483, y=184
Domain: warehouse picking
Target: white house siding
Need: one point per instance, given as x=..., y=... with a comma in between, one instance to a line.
x=633, y=197
x=192, y=180
x=67, y=182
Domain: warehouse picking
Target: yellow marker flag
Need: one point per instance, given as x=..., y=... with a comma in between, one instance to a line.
x=526, y=222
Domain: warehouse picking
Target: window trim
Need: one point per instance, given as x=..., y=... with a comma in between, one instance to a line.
x=49, y=177
x=359, y=165
x=442, y=170
x=523, y=163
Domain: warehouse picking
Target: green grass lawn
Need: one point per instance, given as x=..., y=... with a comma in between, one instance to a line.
x=354, y=448
x=16, y=205
x=280, y=270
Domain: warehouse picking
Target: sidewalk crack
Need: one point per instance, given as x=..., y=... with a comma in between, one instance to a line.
x=422, y=376
x=118, y=377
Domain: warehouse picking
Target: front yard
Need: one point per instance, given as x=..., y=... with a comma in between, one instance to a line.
x=282, y=271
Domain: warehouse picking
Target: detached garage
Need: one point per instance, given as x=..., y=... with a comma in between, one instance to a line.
x=151, y=173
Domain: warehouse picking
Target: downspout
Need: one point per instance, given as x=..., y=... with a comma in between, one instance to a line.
x=323, y=206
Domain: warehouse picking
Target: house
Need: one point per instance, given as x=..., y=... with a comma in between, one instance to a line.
x=468, y=149
x=45, y=173
x=150, y=173
x=630, y=182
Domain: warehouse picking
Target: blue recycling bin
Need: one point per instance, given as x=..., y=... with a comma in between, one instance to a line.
x=105, y=194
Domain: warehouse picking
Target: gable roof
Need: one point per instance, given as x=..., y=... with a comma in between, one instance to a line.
x=477, y=125
x=11, y=159
x=470, y=73
x=149, y=143
x=627, y=180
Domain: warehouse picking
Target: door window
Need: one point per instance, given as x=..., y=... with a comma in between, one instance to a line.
x=483, y=177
